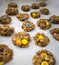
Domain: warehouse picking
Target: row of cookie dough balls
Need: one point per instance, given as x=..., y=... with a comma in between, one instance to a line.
x=6, y=19
x=22, y=39
x=42, y=57
x=13, y=9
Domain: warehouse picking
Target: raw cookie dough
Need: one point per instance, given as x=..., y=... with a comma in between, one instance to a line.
x=12, y=4
x=35, y=6
x=55, y=33
x=12, y=11
x=44, y=24
x=54, y=19
x=41, y=39
x=44, y=11
x=6, y=30
x=28, y=26
x=5, y=19
x=42, y=4
x=35, y=14
x=25, y=8
x=6, y=54
x=22, y=16
x=21, y=39
x=44, y=57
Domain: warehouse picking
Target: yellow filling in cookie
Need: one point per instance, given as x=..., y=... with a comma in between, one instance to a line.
x=47, y=23
x=44, y=63
x=33, y=14
x=1, y=63
x=41, y=37
x=24, y=41
x=44, y=55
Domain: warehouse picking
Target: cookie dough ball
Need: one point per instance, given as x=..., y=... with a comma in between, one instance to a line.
x=12, y=4
x=12, y=11
x=35, y=14
x=41, y=39
x=54, y=19
x=35, y=6
x=44, y=57
x=5, y=19
x=22, y=16
x=6, y=30
x=25, y=8
x=55, y=33
x=28, y=26
x=44, y=24
x=44, y=11
x=21, y=39
x=42, y=4
x=6, y=54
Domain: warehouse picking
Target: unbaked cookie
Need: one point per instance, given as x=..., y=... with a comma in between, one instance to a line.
x=44, y=24
x=12, y=11
x=22, y=16
x=55, y=33
x=12, y=4
x=6, y=54
x=6, y=30
x=5, y=19
x=54, y=19
x=42, y=4
x=21, y=39
x=28, y=26
x=44, y=57
x=44, y=11
x=41, y=39
x=25, y=8
x=35, y=14
x=35, y=6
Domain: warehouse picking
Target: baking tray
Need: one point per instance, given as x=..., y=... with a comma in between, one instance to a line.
x=23, y=56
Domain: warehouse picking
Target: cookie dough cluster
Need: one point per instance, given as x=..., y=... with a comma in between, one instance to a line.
x=54, y=19
x=55, y=33
x=5, y=19
x=41, y=39
x=6, y=30
x=44, y=24
x=35, y=14
x=28, y=26
x=25, y=8
x=44, y=57
x=44, y=11
x=6, y=54
x=22, y=16
x=21, y=39
x=12, y=9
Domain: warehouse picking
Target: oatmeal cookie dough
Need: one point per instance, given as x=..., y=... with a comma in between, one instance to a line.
x=44, y=57
x=35, y=6
x=55, y=33
x=21, y=39
x=6, y=54
x=22, y=16
x=44, y=11
x=5, y=19
x=44, y=24
x=25, y=8
x=54, y=19
x=35, y=14
x=42, y=4
x=12, y=4
x=6, y=30
x=12, y=11
x=41, y=39
x=28, y=26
